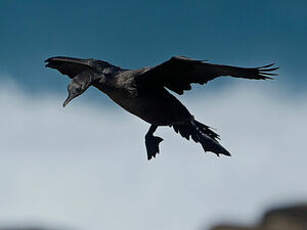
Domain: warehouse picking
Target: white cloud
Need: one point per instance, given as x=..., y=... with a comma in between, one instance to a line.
x=85, y=166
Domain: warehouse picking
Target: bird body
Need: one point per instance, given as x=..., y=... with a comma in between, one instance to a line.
x=143, y=92
x=158, y=107
x=155, y=106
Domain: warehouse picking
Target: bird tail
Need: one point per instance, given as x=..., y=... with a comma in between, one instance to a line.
x=202, y=134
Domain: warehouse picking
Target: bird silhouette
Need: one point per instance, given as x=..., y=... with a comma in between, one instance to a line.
x=143, y=92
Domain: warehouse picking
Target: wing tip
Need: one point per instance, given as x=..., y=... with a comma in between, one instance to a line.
x=265, y=72
x=47, y=60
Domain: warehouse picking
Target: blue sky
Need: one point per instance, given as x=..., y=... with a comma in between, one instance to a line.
x=84, y=165
x=133, y=34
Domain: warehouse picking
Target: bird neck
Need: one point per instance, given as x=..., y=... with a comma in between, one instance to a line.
x=103, y=82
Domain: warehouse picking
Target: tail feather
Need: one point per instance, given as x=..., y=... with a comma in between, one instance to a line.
x=206, y=129
x=202, y=134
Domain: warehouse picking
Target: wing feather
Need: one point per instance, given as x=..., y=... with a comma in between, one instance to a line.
x=178, y=73
x=69, y=66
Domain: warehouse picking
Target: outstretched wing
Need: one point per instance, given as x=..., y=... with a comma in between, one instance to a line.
x=178, y=73
x=69, y=66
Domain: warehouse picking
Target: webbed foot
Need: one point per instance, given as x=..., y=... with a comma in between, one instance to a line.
x=152, y=146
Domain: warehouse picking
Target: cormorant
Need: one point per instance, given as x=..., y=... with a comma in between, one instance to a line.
x=143, y=92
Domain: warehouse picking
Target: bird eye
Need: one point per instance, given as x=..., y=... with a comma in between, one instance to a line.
x=78, y=90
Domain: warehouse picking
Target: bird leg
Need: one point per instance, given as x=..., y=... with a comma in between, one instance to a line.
x=152, y=142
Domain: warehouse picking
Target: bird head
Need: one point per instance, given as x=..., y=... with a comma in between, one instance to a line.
x=75, y=88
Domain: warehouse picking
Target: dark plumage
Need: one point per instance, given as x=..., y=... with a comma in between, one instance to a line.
x=143, y=92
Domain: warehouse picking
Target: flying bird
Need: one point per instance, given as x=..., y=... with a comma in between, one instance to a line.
x=145, y=92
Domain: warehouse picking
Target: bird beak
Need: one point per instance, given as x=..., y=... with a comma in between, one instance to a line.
x=68, y=99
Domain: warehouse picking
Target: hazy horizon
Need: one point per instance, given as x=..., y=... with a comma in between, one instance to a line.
x=85, y=166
